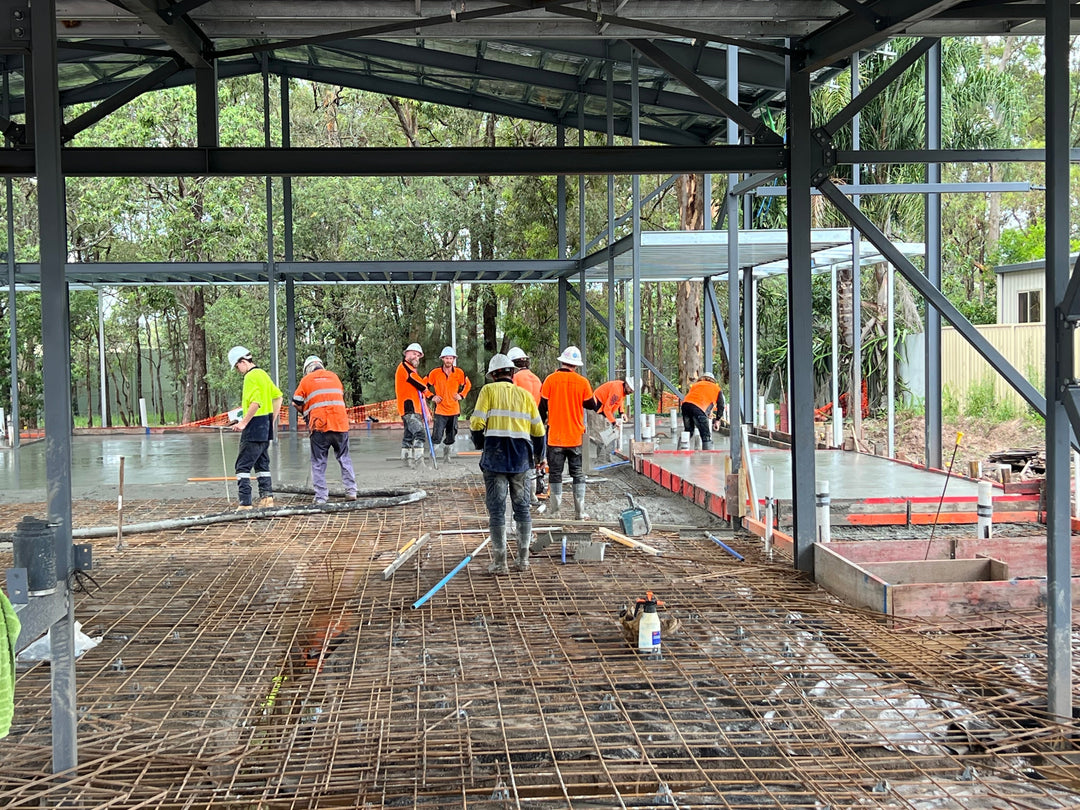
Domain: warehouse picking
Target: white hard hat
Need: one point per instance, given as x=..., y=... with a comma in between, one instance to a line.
x=571, y=356
x=311, y=362
x=499, y=362
x=448, y=351
x=517, y=354
x=708, y=375
x=414, y=347
x=236, y=354
x=630, y=383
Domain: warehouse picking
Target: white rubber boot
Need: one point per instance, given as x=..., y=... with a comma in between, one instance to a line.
x=498, y=551
x=554, y=498
x=579, y=502
x=524, y=539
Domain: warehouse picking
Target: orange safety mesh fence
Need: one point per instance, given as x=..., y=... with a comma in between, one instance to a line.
x=376, y=412
x=668, y=400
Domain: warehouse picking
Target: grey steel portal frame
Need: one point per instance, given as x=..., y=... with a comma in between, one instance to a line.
x=494, y=57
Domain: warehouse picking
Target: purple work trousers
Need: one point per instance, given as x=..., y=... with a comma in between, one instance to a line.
x=321, y=442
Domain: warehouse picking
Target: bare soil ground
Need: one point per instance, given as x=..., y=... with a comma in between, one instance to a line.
x=980, y=438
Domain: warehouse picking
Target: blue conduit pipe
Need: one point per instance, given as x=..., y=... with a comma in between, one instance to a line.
x=725, y=547
x=612, y=464
x=439, y=585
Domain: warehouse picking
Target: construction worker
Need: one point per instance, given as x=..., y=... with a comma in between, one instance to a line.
x=506, y=426
x=320, y=398
x=698, y=404
x=523, y=377
x=564, y=397
x=605, y=425
x=611, y=396
x=259, y=407
x=448, y=386
x=410, y=387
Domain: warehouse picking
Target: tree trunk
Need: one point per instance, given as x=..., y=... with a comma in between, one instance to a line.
x=196, y=390
x=688, y=294
x=89, y=387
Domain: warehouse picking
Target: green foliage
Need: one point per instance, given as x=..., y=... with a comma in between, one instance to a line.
x=981, y=401
x=950, y=402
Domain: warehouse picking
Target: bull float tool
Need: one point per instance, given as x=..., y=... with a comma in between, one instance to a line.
x=427, y=431
x=457, y=568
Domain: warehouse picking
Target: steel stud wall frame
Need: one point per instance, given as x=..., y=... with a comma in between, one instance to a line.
x=491, y=56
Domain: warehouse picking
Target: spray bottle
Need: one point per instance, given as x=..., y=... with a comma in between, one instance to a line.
x=649, y=626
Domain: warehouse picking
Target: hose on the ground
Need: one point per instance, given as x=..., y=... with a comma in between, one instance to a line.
x=365, y=499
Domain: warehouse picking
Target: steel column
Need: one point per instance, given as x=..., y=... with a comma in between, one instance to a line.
x=271, y=283
x=560, y=195
x=635, y=193
x=13, y=344
x=290, y=283
x=1060, y=369
x=856, y=269
x=56, y=362
x=932, y=412
x=731, y=202
x=206, y=105
x=800, y=319
x=706, y=304
x=749, y=342
x=610, y=101
x=581, y=234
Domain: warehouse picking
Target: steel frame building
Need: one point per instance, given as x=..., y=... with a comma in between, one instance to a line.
x=693, y=77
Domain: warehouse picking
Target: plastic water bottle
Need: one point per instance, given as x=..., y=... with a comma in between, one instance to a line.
x=648, y=637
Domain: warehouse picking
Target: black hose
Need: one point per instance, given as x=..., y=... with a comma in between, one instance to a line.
x=366, y=499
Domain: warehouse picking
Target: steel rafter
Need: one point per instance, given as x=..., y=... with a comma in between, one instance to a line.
x=855, y=31
x=178, y=32
x=754, y=126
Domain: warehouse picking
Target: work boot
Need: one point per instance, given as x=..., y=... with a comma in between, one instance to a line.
x=446, y=448
x=695, y=442
x=530, y=482
x=524, y=538
x=579, y=502
x=706, y=445
x=554, y=498
x=265, y=502
x=320, y=501
x=350, y=495
x=498, y=551
x=406, y=457
x=244, y=507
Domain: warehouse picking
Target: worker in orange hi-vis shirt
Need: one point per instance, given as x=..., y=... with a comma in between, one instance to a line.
x=697, y=407
x=611, y=396
x=564, y=397
x=410, y=386
x=523, y=377
x=448, y=386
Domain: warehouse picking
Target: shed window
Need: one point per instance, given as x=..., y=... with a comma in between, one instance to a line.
x=1030, y=308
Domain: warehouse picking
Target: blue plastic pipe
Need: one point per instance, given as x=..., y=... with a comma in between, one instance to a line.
x=725, y=547
x=612, y=464
x=439, y=585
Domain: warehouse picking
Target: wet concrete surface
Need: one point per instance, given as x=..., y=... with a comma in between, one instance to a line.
x=853, y=476
x=158, y=465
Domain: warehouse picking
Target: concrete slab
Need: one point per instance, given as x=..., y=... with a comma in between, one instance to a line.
x=159, y=464
x=854, y=476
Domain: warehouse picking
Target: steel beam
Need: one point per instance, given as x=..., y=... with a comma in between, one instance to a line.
x=145, y=84
x=935, y=298
x=840, y=39
x=891, y=74
x=725, y=106
x=907, y=188
x=731, y=205
x=178, y=32
x=401, y=162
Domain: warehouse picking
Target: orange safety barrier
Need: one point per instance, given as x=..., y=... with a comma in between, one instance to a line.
x=668, y=400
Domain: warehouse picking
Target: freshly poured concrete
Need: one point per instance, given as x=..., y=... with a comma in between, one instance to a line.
x=158, y=465
x=850, y=475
